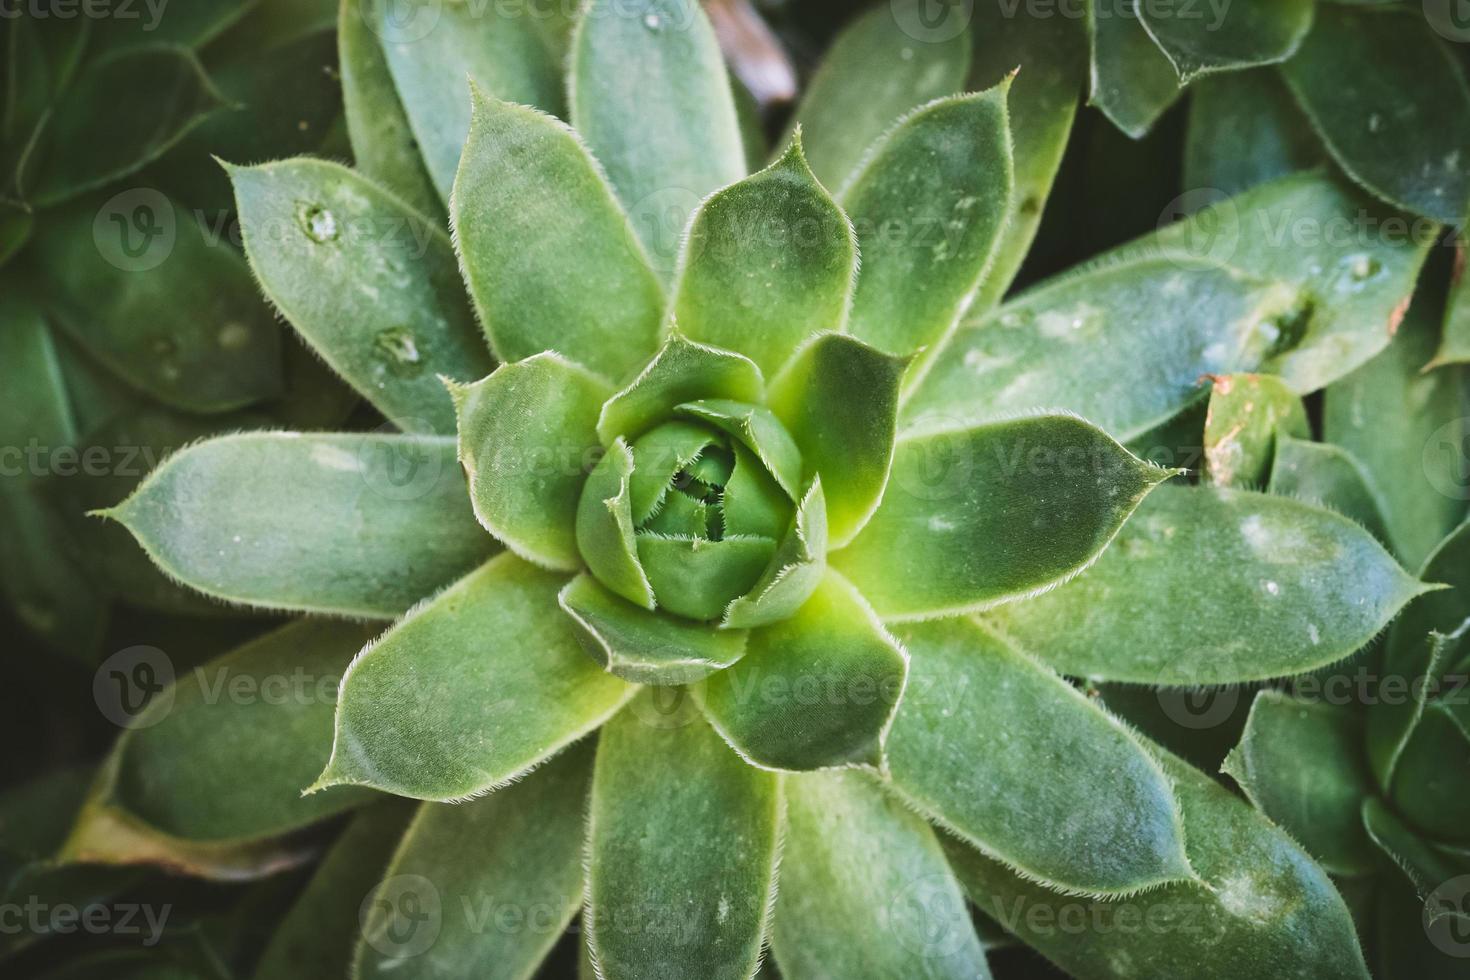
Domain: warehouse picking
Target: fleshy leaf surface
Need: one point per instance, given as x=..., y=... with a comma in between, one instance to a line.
x=353, y=524
x=795, y=570
x=977, y=516
x=645, y=647
x=221, y=756
x=760, y=431
x=1328, y=475
x=384, y=148
x=815, y=690
x=316, y=937
x=687, y=834
x=1133, y=81
x=650, y=95
x=1247, y=414
x=433, y=47
x=1391, y=104
x=1407, y=427
x=1245, y=129
x=681, y=371
x=1263, y=908
x=371, y=284
x=1415, y=655
x=1011, y=757
x=527, y=438
x=503, y=874
x=1231, y=38
x=528, y=200
x=1318, y=804
x=767, y=263
x=1252, y=283
x=875, y=73
x=605, y=537
x=94, y=138
x=847, y=440
x=866, y=893
x=929, y=205
x=179, y=320
x=1162, y=605
x=1051, y=53
x=470, y=691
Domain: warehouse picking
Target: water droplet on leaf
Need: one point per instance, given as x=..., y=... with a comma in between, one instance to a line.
x=319, y=224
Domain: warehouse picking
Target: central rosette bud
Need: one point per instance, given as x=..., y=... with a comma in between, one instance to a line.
x=691, y=515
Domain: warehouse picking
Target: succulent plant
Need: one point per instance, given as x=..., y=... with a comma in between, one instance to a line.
x=744, y=563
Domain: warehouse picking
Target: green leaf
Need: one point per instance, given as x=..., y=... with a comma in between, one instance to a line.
x=371, y=284
x=681, y=371
x=847, y=440
x=1244, y=129
x=978, y=516
x=215, y=763
x=356, y=525
x=929, y=205
x=1317, y=803
x=1051, y=53
x=1427, y=867
x=1262, y=910
x=1454, y=344
x=649, y=93
x=1006, y=754
x=35, y=406
x=1267, y=281
x=1329, y=476
x=470, y=691
x=527, y=438
x=604, y=527
x=1429, y=779
x=645, y=647
x=317, y=936
x=698, y=578
x=45, y=579
x=816, y=690
x=383, y=145
x=758, y=430
x=1162, y=605
x=1133, y=80
x=1229, y=38
x=149, y=293
x=1407, y=427
x=683, y=845
x=499, y=878
x=530, y=205
x=95, y=138
x=1248, y=413
x=767, y=263
x=1421, y=650
x=1123, y=344
x=433, y=47
x=193, y=26
x=866, y=893
x=1391, y=104
x=794, y=572
x=874, y=73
